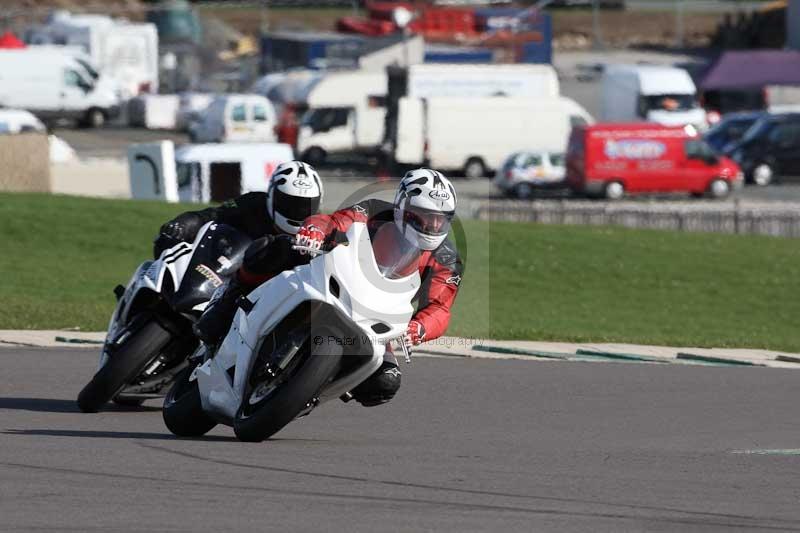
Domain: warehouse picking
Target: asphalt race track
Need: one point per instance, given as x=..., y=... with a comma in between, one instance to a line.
x=468, y=445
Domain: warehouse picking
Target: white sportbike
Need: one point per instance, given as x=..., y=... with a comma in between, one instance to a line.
x=309, y=335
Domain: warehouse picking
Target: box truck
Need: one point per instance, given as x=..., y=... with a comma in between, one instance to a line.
x=347, y=110
x=127, y=52
x=661, y=94
x=475, y=135
x=56, y=82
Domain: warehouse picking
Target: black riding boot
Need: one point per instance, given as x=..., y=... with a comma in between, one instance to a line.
x=380, y=387
x=214, y=323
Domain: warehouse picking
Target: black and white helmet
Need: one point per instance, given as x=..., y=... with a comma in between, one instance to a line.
x=424, y=205
x=295, y=192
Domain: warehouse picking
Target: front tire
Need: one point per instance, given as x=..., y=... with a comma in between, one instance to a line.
x=183, y=411
x=314, y=156
x=719, y=189
x=255, y=423
x=124, y=364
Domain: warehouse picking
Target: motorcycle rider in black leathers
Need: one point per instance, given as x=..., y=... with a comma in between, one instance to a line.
x=270, y=218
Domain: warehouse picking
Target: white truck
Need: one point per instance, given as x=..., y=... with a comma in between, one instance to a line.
x=475, y=135
x=347, y=110
x=662, y=94
x=345, y=115
x=127, y=52
x=56, y=82
x=473, y=80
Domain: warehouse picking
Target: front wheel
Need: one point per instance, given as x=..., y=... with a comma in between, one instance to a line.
x=719, y=188
x=270, y=406
x=183, y=411
x=314, y=156
x=124, y=364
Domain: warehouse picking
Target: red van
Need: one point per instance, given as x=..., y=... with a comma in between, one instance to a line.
x=610, y=160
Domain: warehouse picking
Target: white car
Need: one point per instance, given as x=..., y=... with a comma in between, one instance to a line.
x=19, y=121
x=524, y=172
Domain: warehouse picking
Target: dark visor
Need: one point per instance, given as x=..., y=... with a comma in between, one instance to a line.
x=295, y=208
x=427, y=221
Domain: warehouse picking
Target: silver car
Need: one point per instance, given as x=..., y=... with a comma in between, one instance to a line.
x=525, y=172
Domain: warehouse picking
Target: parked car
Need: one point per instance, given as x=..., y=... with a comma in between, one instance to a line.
x=19, y=121
x=525, y=172
x=611, y=160
x=235, y=118
x=770, y=149
x=730, y=129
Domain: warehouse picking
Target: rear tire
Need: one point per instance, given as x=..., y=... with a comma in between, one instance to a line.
x=183, y=411
x=614, y=190
x=95, y=118
x=474, y=168
x=280, y=408
x=523, y=191
x=123, y=365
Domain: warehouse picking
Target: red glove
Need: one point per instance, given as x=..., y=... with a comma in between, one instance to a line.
x=309, y=236
x=415, y=333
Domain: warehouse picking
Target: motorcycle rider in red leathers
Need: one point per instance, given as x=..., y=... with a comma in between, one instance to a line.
x=423, y=207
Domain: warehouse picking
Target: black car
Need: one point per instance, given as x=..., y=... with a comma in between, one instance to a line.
x=731, y=129
x=770, y=149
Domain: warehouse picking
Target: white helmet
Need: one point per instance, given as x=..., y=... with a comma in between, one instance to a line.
x=295, y=192
x=424, y=206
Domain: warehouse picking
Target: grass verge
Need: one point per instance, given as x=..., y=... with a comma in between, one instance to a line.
x=61, y=256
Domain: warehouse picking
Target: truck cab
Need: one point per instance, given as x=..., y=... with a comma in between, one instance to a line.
x=661, y=94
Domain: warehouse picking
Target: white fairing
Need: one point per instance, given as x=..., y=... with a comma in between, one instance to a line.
x=150, y=277
x=366, y=297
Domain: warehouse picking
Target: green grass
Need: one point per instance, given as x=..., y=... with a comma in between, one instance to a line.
x=61, y=256
x=581, y=284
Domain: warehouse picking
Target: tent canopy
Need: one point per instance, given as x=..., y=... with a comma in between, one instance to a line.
x=9, y=40
x=753, y=69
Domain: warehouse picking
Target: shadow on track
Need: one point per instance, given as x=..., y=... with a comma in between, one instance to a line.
x=55, y=405
x=111, y=434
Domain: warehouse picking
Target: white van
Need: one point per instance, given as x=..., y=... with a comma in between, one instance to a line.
x=56, y=82
x=346, y=112
x=476, y=135
x=235, y=118
x=126, y=52
x=216, y=172
x=660, y=94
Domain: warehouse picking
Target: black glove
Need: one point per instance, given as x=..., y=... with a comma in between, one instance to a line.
x=184, y=227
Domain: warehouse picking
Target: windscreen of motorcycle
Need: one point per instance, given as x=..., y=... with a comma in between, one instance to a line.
x=217, y=256
x=395, y=256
